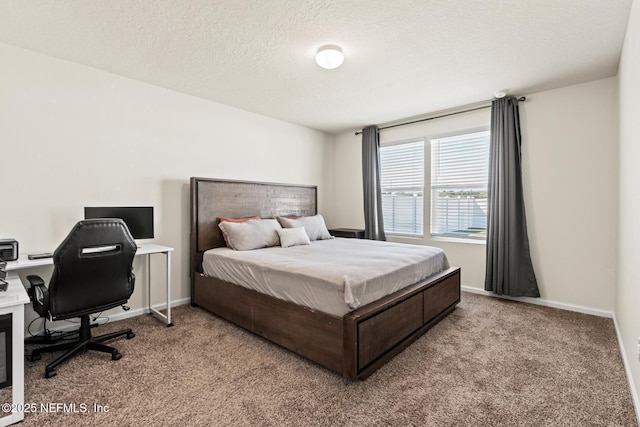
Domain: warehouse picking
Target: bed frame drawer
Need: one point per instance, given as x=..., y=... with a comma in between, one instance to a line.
x=440, y=296
x=378, y=334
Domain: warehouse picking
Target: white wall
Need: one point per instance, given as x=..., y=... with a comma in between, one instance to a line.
x=72, y=136
x=627, y=308
x=570, y=174
x=571, y=184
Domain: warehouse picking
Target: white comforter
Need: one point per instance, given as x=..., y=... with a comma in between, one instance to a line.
x=333, y=276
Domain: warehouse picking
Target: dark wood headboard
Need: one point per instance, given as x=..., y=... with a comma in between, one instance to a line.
x=215, y=198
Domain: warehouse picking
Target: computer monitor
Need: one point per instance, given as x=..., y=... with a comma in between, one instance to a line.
x=139, y=220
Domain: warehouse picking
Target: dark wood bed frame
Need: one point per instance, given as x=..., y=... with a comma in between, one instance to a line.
x=354, y=345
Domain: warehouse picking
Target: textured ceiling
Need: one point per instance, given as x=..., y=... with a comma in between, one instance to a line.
x=404, y=58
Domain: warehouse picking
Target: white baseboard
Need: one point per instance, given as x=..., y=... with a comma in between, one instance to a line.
x=627, y=368
x=145, y=310
x=546, y=303
x=67, y=326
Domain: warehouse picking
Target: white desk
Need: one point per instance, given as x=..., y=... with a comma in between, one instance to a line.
x=149, y=249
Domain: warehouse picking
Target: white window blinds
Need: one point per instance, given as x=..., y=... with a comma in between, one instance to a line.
x=459, y=177
x=402, y=184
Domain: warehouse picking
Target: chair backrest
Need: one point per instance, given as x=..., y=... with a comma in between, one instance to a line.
x=93, y=269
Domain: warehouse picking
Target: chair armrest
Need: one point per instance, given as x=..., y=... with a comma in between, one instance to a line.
x=39, y=295
x=35, y=280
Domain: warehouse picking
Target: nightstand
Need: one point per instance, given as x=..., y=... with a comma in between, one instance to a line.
x=352, y=233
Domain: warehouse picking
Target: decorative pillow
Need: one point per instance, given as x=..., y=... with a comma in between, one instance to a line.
x=314, y=226
x=293, y=237
x=251, y=234
x=225, y=219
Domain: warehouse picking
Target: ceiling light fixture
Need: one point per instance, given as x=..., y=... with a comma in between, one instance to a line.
x=329, y=57
x=501, y=93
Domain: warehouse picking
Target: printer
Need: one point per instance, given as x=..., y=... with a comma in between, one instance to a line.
x=8, y=249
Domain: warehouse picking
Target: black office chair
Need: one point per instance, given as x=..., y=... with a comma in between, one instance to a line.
x=93, y=272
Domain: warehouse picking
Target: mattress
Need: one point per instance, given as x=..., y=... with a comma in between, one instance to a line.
x=333, y=276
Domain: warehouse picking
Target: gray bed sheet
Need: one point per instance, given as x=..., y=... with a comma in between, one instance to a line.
x=333, y=276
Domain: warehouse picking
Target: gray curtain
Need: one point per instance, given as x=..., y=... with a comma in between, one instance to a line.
x=509, y=268
x=373, y=220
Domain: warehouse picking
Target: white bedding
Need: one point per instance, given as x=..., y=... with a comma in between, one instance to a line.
x=333, y=276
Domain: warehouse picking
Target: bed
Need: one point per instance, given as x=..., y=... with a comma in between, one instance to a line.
x=355, y=343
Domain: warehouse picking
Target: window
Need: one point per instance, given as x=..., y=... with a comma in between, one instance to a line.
x=402, y=184
x=459, y=177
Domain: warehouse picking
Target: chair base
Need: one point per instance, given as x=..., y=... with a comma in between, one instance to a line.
x=84, y=342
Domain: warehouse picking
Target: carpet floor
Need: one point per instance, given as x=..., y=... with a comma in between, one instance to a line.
x=491, y=362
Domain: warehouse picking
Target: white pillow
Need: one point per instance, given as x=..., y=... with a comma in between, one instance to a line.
x=293, y=237
x=252, y=234
x=314, y=226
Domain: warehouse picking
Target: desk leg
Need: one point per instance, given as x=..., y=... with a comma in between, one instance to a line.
x=18, y=362
x=149, y=281
x=17, y=369
x=168, y=259
x=152, y=310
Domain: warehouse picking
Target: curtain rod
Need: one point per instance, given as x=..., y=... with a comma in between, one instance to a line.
x=522, y=98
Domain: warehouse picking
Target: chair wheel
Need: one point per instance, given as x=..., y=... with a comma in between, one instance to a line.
x=116, y=355
x=35, y=357
x=130, y=335
x=50, y=373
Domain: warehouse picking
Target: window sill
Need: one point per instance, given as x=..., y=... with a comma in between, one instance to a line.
x=458, y=240
x=404, y=236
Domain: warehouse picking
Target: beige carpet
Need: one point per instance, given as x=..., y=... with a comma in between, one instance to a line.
x=490, y=363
